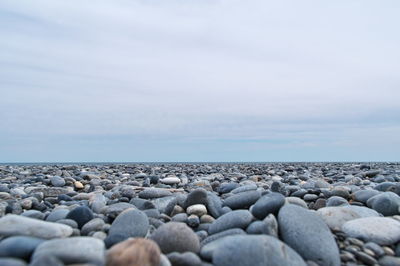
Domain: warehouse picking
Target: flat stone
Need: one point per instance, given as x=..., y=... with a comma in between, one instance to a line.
x=186, y=258
x=170, y=180
x=73, y=250
x=19, y=246
x=16, y=225
x=57, y=214
x=364, y=195
x=242, y=200
x=234, y=219
x=251, y=250
x=130, y=223
x=153, y=193
x=233, y=231
x=270, y=203
x=93, y=225
x=308, y=234
x=134, y=252
x=335, y=217
x=57, y=181
x=115, y=209
x=12, y=262
x=48, y=191
x=177, y=237
x=381, y=230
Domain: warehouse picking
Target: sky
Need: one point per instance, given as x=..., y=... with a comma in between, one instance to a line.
x=199, y=80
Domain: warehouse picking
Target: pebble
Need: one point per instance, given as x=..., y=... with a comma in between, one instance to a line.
x=95, y=224
x=57, y=214
x=73, y=250
x=153, y=193
x=20, y=247
x=234, y=219
x=270, y=203
x=248, y=250
x=81, y=215
x=177, y=237
x=134, y=252
x=242, y=200
x=197, y=209
x=15, y=225
x=130, y=223
x=335, y=217
x=57, y=181
x=386, y=203
x=296, y=225
x=389, y=261
x=184, y=259
x=381, y=230
x=170, y=180
x=196, y=196
x=12, y=262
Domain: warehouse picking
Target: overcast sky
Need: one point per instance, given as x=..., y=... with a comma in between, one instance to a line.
x=200, y=80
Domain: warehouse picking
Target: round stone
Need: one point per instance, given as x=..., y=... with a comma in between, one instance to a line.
x=186, y=258
x=197, y=209
x=80, y=215
x=134, y=252
x=386, y=203
x=130, y=223
x=381, y=230
x=308, y=234
x=19, y=246
x=242, y=200
x=57, y=181
x=251, y=250
x=197, y=196
x=170, y=180
x=233, y=219
x=177, y=237
x=270, y=203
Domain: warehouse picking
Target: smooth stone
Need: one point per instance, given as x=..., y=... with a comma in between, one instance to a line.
x=46, y=260
x=234, y=219
x=170, y=180
x=386, y=203
x=364, y=195
x=34, y=214
x=57, y=181
x=335, y=217
x=177, y=237
x=272, y=225
x=270, y=203
x=130, y=223
x=308, y=234
x=233, y=231
x=244, y=188
x=56, y=215
x=48, y=191
x=251, y=250
x=389, y=261
x=73, y=250
x=12, y=262
x=363, y=211
x=297, y=201
x=310, y=197
x=242, y=200
x=379, y=252
x=16, y=225
x=227, y=187
x=162, y=204
x=193, y=221
x=116, y=209
x=381, y=230
x=214, y=205
x=153, y=193
x=19, y=246
x=68, y=222
x=81, y=215
x=207, y=219
x=197, y=209
x=180, y=218
x=197, y=196
x=184, y=259
x=336, y=201
x=95, y=224
x=134, y=252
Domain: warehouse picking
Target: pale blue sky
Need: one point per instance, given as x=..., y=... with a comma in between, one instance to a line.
x=199, y=80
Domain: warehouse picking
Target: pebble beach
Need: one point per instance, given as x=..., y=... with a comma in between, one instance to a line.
x=200, y=214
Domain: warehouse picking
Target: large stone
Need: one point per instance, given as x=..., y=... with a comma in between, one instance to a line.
x=308, y=234
x=270, y=203
x=364, y=195
x=73, y=250
x=335, y=217
x=177, y=237
x=134, y=252
x=214, y=205
x=381, y=230
x=251, y=250
x=130, y=223
x=19, y=246
x=184, y=259
x=234, y=219
x=15, y=225
x=115, y=209
x=386, y=203
x=242, y=200
x=80, y=215
x=197, y=196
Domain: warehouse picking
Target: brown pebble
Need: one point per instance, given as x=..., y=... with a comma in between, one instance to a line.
x=134, y=252
x=78, y=185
